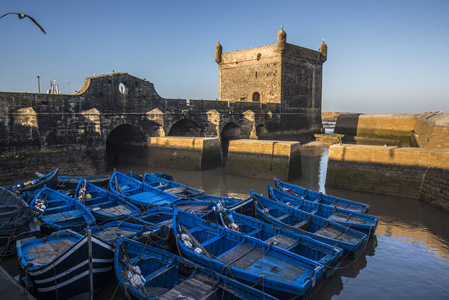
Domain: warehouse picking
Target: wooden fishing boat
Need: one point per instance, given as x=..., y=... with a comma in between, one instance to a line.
x=334, y=234
x=358, y=221
x=139, y=193
x=71, y=182
x=57, y=211
x=226, y=201
x=103, y=204
x=110, y=231
x=17, y=221
x=157, y=174
x=300, y=244
x=145, y=272
x=48, y=180
x=251, y=261
x=154, y=216
x=56, y=267
x=315, y=196
x=172, y=187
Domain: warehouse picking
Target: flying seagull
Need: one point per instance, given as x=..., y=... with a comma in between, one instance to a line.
x=21, y=16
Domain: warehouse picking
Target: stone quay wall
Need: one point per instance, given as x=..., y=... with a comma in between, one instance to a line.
x=190, y=153
x=17, y=167
x=264, y=159
x=402, y=172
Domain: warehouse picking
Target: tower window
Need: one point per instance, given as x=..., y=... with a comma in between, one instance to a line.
x=256, y=97
x=255, y=74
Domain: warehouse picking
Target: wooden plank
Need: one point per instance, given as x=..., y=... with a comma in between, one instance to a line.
x=276, y=268
x=45, y=253
x=115, y=210
x=193, y=288
x=336, y=233
x=241, y=256
x=281, y=241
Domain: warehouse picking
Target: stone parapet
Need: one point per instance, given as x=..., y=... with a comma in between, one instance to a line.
x=264, y=159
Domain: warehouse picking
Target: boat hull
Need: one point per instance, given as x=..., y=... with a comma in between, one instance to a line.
x=67, y=275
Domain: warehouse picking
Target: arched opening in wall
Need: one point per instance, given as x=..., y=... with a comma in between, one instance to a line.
x=256, y=97
x=186, y=127
x=231, y=131
x=261, y=132
x=126, y=144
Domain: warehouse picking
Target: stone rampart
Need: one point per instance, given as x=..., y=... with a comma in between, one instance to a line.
x=264, y=159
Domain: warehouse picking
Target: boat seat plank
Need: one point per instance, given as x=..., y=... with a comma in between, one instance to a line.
x=281, y=241
x=111, y=233
x=336, y=233
x=339, y=217
x=241, y=256
x=115, y=210
x=44, y=253
x=193, y=207
x=276, y=268
x=175, y=190
x=195, y=287
x=64, y=216
x=284, y=216
x=302, y=225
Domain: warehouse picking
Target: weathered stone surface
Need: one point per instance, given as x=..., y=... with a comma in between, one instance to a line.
x=184, y=152
x=264, y=159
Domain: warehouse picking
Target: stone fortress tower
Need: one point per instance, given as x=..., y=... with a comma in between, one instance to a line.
x=282, y=73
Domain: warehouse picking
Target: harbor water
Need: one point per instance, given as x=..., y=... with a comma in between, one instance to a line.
x=408, y=258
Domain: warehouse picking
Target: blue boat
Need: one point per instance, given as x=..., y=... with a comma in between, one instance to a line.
x=57, y=211
x=154, y=216
x=71, y=182
x=56, y=267
x=103, y=204
x=110, y=231
x=157, y=174
x=334, y=234
x=226, y=201
x=146, y=272
x=17, y=221
x=300, y=244
x=358, y=221
x=172, y=187
x=139, y=193
x=251, y=261
x=48, y=180
x=314, y=196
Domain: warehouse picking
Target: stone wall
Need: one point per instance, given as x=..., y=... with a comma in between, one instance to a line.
x=435, y=188
x=184, y=152
x=396, y=127
x=75, y=161
x=402, y=172
x=264, y=159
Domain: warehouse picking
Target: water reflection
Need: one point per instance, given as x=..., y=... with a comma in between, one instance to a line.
x=408, y=257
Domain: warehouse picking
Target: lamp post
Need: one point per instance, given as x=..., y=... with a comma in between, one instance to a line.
x=38, y=84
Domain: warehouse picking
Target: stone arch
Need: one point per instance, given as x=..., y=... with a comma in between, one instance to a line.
x=186, y=127
x=261, y=132
x=231, y=131
x=126, y=144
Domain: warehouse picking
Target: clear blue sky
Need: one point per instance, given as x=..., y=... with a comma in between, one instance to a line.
x=383, y=56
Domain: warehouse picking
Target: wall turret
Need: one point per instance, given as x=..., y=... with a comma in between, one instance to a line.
x=323, y=51
x=218, y=51
x=281, y=40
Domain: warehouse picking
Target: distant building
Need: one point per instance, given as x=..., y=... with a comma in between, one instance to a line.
x=281, y=73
